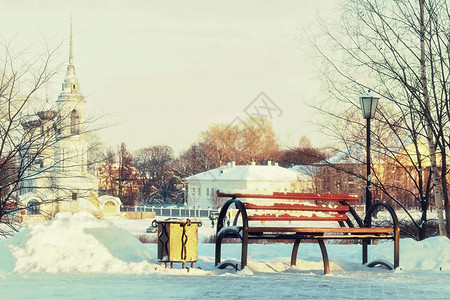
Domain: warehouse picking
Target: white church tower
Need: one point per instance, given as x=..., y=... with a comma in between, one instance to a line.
x=71, y=148
x=58, y=179
x=76, y=188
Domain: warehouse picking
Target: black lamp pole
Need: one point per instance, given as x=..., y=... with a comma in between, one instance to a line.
x=368, y=105
x=368, y=181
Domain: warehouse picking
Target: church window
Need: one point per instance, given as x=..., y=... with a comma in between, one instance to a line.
x=73, y=86
x=33, y=207
x=74, y=196
x=48, y=131
x=74, y=122
x=40, y=162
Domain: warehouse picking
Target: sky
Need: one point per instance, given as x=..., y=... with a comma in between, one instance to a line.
x=160, y=72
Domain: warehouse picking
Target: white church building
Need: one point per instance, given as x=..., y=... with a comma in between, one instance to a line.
x=202, y=187
x=58, y=180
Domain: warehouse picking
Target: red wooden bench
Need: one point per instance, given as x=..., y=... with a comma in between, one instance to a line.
x=276, y=217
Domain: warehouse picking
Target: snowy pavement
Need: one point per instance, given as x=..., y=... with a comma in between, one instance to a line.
x=355, y=283
x=261, y=286
x=82, y=258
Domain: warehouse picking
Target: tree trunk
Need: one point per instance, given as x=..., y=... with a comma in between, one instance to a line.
x=445, y=190
x=431, y=145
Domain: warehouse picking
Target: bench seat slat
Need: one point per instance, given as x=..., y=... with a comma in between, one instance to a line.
x=297, y=207
x=287, y=217
x=357, y=230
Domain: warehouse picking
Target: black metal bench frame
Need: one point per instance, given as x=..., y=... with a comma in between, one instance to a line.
x=347, y=230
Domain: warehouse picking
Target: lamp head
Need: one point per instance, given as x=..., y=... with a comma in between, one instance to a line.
x=369, y=104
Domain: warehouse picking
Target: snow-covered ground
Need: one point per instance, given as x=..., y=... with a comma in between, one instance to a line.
x=80, y=257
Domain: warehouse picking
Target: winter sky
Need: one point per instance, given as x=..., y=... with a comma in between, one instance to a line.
x=163, y=71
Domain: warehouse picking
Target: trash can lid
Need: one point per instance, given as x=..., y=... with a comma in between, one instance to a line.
x=181, y=221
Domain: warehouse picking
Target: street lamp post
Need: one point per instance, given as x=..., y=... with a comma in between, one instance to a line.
x=368, y=105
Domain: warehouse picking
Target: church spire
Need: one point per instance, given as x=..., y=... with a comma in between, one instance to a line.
x=70, y=51
x=70, y=87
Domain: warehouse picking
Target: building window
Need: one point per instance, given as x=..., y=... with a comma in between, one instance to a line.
x=207, y=191
x=73, y=86
x=199, y=191
x=74, y=196
x=74, y=122
x=33, y=207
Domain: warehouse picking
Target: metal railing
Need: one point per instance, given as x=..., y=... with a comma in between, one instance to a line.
x=176, y=212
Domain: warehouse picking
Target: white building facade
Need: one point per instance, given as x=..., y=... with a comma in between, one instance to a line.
x=202, y=187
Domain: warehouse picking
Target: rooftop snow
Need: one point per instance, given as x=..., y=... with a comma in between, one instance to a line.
x=249, y=173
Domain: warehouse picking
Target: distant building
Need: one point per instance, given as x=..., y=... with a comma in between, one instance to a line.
x=336, y=174
x=59, y=181
x=268, y=178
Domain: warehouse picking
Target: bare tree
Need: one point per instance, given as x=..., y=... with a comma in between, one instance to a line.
x=305, y=154
x=155, y=170
x=194, y=160
x=220, y=143
x=25, y=142
x=107, y=172
x=96, y=152
x=257, y=140
x=388, y=47
x=252, y=140
x=126, y=175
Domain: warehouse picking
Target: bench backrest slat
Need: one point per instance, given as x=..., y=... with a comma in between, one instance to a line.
x=288, y=217
x=280, y=206
x=294, y=196
x=297, y=207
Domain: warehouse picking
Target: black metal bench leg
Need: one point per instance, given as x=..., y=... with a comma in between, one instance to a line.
x=365, y=244
x=294, y=253
x=218, y=250
x=326, y=263
x=244, y=249
x=397, y=250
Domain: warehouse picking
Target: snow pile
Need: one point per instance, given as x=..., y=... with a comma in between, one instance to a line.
x=432, y=254
x=84, y=244
x=79, y=243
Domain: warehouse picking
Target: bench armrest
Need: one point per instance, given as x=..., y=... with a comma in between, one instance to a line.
x=241, y=211
x=367, y=218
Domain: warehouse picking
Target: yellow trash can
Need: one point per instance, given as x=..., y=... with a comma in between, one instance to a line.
x=178, y=241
